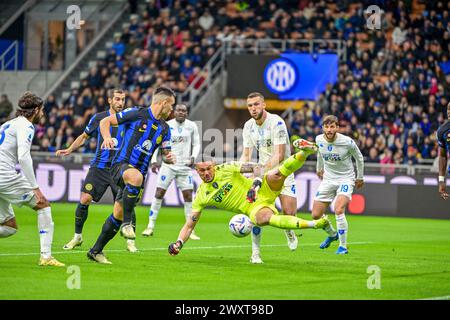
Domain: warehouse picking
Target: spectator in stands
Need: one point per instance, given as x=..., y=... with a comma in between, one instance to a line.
x=6, y=108
x=396, y=79
x=118, y=47
x=206, y=20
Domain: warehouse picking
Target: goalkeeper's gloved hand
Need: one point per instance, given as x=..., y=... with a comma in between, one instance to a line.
x=251, y=194
x=174, y=248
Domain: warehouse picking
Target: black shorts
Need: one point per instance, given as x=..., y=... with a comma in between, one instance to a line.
x=117, y=171
x=96, y=183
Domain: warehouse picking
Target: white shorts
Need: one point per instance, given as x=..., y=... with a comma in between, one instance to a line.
x=183, y=178
x=328, y=190
x=14, y=189
x=290, y=187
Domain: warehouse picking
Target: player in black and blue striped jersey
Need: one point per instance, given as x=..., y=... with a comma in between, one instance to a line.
x=98, y=178
x=443, y=137
x=145, y=131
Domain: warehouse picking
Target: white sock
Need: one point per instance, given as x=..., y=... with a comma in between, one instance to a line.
x=130, y=241
x=187, y=210
x=45, y=226
x=7, y=231
x=256, y=239
x=78, y=236
x=154, y=209
x=342, y=228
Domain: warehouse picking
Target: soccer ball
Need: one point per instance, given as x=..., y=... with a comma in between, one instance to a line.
x=240, y=225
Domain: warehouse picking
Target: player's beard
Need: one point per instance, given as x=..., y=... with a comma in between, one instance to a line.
x=37, y=117
x=258, y=116
x=117, y=109
x=333, y=136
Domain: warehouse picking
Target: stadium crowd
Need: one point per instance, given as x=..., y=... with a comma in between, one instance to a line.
x=390, y=95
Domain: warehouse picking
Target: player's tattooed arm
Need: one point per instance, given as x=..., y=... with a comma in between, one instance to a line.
x=175, y=247
x=189, y=226
x=252, y=167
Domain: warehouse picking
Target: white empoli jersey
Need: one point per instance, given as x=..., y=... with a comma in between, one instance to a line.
x=185, y=142
x=335, y=158
x=272, y=132
x=16, y=136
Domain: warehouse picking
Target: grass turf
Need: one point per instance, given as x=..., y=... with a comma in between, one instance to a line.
x=412, y=254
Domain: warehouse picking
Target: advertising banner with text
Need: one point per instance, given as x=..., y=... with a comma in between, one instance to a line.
x=382, y=195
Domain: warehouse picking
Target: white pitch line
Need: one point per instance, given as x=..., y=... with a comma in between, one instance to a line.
x=160, y=249
x=437, y=298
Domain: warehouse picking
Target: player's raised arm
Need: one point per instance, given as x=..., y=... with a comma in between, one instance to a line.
x=105, y=126
x=357, y=155
x=166, y=149
x=174, y=248
x=443, y=159
x=79, y=141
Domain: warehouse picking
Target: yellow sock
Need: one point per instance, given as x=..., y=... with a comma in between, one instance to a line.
x=293, y=163
x=290, y=222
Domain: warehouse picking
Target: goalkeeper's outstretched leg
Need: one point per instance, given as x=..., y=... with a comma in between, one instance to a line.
x=276, y=177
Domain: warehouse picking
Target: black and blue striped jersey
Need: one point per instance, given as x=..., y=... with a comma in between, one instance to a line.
x=143, y=135
x=443, y=137
x=103, y=157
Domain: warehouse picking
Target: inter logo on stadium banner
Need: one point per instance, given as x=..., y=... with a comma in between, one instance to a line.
x=280, y=76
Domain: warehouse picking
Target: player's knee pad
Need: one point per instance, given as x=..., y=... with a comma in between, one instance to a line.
x=7, y=231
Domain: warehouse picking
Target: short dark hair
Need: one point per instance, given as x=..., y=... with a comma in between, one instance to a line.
x=254, y=95
x=111, y=92
x=161, y=94
x=182, y=105
x=330, y=119
x=165, y=91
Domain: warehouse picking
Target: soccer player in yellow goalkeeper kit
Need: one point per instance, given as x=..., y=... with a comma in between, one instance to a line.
x=224, y=186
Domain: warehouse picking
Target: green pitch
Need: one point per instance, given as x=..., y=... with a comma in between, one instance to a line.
x=412, y=255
